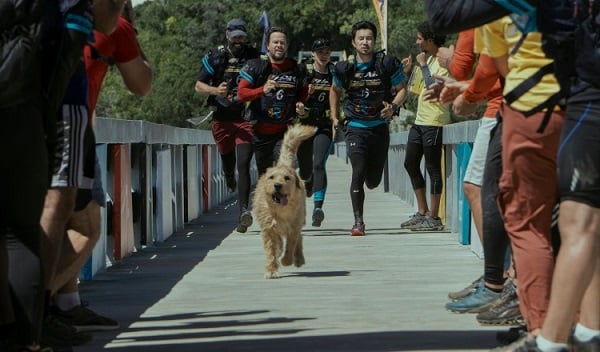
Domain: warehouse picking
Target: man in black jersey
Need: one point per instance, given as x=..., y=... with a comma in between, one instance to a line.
x=276, y=88
x=313, y=152
x=374, y=86
x=218, y=78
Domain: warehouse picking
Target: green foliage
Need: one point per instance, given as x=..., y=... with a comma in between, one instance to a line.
x=175, y=34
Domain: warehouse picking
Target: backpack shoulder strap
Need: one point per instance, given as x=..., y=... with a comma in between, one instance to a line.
x=382, y=62
x=263, y=70
x=344, y=71
x=529, y=83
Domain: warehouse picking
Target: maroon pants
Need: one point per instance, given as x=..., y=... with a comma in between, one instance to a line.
x=528, y=192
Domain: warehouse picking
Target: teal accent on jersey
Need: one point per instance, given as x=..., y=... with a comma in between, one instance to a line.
x=207, y=66
x=398, y=77
x=337, y=81
x=363, y=66
x=360, y=66
x=247, y=77
x=367, y=123
x=80, y=24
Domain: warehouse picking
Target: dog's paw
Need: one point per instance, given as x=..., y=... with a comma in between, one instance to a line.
x=287, y=260
x=299, y=261
x=271, y=275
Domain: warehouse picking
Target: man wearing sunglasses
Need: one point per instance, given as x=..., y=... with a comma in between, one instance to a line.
x=218, y=78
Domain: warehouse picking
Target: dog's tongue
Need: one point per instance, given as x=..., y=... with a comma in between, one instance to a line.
x=283, y=200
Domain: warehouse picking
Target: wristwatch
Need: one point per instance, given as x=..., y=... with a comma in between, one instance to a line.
x=396, y=109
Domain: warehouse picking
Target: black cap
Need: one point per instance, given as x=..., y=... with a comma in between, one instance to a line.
x=320, y=44
x=236, y=27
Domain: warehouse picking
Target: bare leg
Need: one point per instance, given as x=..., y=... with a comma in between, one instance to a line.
x=421, y=201
x=473, y=195
x=435, y=205
x=590, y=305
x=83, y=231
x=576, y=268
x=58, y=208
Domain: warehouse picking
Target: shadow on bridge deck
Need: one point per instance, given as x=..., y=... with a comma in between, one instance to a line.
x=203, y=289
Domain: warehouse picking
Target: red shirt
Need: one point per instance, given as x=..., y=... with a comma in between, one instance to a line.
x=120, y=46
x=485, y=83
x=463, y=60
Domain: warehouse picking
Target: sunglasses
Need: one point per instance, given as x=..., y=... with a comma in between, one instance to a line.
x=236, y=28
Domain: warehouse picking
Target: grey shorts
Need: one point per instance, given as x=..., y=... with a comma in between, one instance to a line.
x=76, y=149
x=474, y=173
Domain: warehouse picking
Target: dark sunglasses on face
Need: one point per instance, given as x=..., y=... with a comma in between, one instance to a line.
x=236, y=28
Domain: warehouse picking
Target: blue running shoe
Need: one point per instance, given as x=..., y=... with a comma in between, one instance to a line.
x=479, y=301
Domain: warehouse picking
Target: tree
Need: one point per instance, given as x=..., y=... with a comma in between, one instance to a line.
x=175, y=34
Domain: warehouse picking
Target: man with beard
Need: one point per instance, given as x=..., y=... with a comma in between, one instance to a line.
x=276, y=88
x=218, y=78
x=374, y=85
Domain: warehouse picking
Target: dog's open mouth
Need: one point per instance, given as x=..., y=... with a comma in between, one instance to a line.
x=280, y=198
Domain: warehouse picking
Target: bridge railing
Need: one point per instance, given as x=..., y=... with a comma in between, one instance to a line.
x=454, y=210
x=157, y=178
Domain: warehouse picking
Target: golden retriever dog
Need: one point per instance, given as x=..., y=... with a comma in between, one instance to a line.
x=280, y=205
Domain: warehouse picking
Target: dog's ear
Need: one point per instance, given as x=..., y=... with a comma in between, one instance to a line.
x=297, y=181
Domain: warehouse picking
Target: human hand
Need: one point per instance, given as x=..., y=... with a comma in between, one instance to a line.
x=452, y=90
x=444, y=55
x=270, y=86
x=311, y=89
x=463, y=108
x=407, y=62
x=300, y=109
x=387, y=113
x=433, y=91
x=221, y=90
x=334, y=127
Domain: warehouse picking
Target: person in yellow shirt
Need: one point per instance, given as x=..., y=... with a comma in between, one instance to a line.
x=528, y=185
x=425, y=136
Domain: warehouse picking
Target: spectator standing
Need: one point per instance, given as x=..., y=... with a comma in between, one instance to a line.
x=119, y=48
x=425, y=137
x=528, y=187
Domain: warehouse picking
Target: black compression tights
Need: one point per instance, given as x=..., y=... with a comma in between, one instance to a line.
x=495, y=238
x=433, y=160
x=244, y=156
x=367, y=172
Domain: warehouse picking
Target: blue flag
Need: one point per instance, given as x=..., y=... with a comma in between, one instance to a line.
x=264, y=22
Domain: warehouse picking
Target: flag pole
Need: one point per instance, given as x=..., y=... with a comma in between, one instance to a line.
x=381, y=12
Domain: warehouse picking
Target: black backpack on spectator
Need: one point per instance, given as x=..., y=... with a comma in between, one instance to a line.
x=20, y=50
